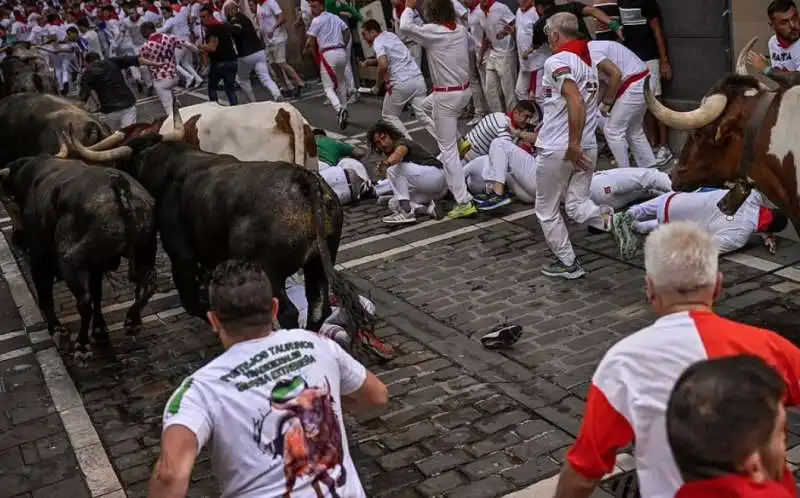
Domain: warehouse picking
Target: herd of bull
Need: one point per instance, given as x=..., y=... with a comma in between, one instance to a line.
x=81, y=198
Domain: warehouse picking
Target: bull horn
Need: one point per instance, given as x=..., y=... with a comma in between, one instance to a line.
x=97, y=156
x=110, y=141
x=63, y=149
x=711, y=108
x=741, y=62
x=178, y=131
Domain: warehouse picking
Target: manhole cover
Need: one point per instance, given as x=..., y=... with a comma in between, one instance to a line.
x=624, y=485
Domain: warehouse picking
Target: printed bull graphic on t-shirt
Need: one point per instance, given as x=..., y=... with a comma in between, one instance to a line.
x=308, y=438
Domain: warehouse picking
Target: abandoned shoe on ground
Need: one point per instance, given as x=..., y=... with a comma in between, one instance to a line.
x=502, y=336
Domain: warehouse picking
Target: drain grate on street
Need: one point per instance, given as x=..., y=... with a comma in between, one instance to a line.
x=624, y=485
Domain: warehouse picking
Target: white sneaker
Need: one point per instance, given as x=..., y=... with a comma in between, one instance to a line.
x=607, y=213
x=663, y=156
x=433, y=211
x=400, y=218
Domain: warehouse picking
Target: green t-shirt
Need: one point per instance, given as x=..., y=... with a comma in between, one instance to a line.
x=334, y=7
x=332, y=151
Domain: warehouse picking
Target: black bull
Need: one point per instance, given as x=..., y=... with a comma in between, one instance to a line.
x=25, y=69
x=211, y=208
x=77, y=222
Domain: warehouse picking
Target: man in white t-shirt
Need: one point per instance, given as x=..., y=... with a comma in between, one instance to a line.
x=567, y=147
x=177, y=24
x=500, y=52
x=271, y=25
x=403, y=79
x=529, y=80
x=623, y=103
x=730, y=233
x=327, y=40
x=784, y=51
x=413, y=47
x=477, y=67
x=270, y=405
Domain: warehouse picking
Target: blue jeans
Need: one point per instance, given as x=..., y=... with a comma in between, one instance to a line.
x=225, y=71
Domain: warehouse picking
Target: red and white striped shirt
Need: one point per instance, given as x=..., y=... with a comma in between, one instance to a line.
x=160, y=48
x=631, y=386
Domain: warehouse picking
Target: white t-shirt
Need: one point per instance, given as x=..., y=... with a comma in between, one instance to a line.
x=328, y=29
x=619, y=187
x=729, y=233
x=475, y=23
x=177, y=25
x=19, y=30
x=461, y=11
x=267, y=399
x=131, y=32
x=621, y=56
x=93, y=42
x=155, y=18
x=524, y=33
x=448, y=49
x=37, y=34
x=561, y=67
x=401, y=65
x=305, y=12
x=268, y=12
x=396, y=20
x=788, y=58
x=496, y=20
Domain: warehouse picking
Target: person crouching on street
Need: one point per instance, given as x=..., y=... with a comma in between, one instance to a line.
x=416, y=177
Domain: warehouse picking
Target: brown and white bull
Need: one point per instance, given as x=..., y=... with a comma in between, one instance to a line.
x=743, y=136
x=258, y=131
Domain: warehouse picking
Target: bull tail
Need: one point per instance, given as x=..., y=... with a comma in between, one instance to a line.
x=296, y=123
x=340, y=286
x=122, y=191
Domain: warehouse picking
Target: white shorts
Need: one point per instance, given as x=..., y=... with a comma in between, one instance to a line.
x=277, y=52
x=655, y=76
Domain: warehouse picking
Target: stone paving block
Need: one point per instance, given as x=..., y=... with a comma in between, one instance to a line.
x=486, y=488
x=490, y=465
x=531, y=471
x=452, y=439
x=497, y=442
x=445, y=481
x=31, y=431
x=401, y=458
x=399, y=479
x=542, y=444
x=497, y=422
x=458, y=417
x=72, y=488
x=442, y=462
x=409, y=435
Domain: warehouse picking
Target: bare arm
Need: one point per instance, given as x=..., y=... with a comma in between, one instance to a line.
x=372, y=393
x=311, y=47
x=573, y=485
x=661, y=41
x=603, y=18
x=383, y=69
x=174, y=467
x=211, y=46
x=615, y=80
x=397, y=156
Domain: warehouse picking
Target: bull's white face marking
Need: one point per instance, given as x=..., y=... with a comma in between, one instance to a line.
x=783, y=137
x=751, y=92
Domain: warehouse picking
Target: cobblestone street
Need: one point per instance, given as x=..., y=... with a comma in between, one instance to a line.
x=462, y=421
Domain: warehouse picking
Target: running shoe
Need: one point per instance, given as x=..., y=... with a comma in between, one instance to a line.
x=434, y=211
x=628, y=241
x=343, y=118
x=559, y=269
x=502, y=336
x=400, y=218
x=491, y=201
x=370, y=343
x=463, y=211
x=463, y=147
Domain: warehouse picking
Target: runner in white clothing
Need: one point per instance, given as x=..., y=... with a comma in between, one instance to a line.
x=529, y=80
x=403, y=79
x=500, y=53
x=177, y=24
x=730, y=233
x=271, y=22
x=567, y=147
x=327, y=38
x=270, y=405
x=624, y=103
x=413, y=47
x=621, y=187
x=447, y=45
x=477, y=67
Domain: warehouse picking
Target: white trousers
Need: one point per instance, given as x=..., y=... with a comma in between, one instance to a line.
x=335, y=85
x=349, y=79
x=411, y=91
x=256, y=62
x=416, y=53
x=477, y=77
x=163, y=89
x=501, y=70
x=184, y=64
x=416, y=183
x=65, y=62
x=624, y=128
x=120, y=119
x=508, y=164
x=557, y=178
x=529, y=86
x=445, y=108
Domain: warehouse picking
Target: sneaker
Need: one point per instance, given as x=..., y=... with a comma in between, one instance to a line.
x=502, y=336
x=463, y=210
x=463, y=147
x=400, y=218
x=354, y=97
x=343, y=119
x=559, y=269
x=433, y=210
x=663, y=156
x=368, y=341
x=607, y=213
x=492, y=201
x=622, y=228
x=475, y=120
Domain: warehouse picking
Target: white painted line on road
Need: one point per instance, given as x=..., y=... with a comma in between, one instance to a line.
x=334, y=135
x=763, y=265
x=92, y=459
x=15, y=354
x=431, y=240
x=11, y=335
x=376, y=238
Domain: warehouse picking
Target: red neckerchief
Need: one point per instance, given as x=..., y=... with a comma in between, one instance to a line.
x=57, y=22
x=212, y=21
x=88, y=9
x=488, y=7
x=176, y=7
x=153, y=9
x=579, y=48
x=783, y=43
x=473, y=5
x=19, y=17
x=156, y=37
x=765, y=218
x=449, y=25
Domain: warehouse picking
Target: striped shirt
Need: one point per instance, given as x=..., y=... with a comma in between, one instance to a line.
x=494, y=125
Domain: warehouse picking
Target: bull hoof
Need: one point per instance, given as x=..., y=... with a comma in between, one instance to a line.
x=132, y=328
x=82, y=355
